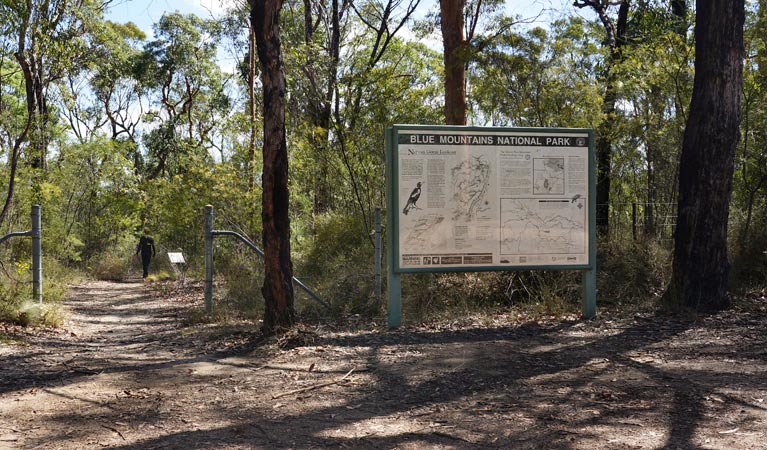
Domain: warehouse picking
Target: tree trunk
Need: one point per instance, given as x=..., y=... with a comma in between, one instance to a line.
x=679, y=11
x=604, y=158
x=454, y=44
x=700, y=266
x=13, y=162
x=278, y=267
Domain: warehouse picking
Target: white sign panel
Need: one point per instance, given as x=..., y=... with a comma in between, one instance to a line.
x=176, y=258
x=495, y=198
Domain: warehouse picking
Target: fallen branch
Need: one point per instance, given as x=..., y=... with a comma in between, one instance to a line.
x=115, y=430
x=313, y=387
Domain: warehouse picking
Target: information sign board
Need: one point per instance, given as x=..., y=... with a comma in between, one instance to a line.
x=490, y=199
x=478, y=198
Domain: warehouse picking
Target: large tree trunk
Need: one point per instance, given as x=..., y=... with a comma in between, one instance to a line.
x=700, y=266
x=278, y=267
x=451, y=13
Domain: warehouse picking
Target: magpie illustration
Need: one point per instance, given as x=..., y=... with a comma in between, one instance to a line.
x=413, y=199
x=576, y=197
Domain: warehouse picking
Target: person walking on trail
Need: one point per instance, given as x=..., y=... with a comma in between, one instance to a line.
x=146, y=248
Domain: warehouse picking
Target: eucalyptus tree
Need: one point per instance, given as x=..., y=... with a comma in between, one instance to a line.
x=96, y=202
x=49, y=39
x=97, y=199
x=402, y=87
x=467, y=27
x=277, y=289
x=14, y=122
x=187, y=89
x=615, y=27
x=114, y=78
x=319, y=34
x=455, y=50
x=240, y=42
x=370, y=55
x=101, y=95
x=539, y=78
x=342, y=43
x=700, y=266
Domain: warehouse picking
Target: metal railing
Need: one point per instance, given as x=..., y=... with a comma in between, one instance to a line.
x=210, y=233
x=36, y=233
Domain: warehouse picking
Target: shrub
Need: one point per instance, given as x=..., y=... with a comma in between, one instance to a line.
x=16, y=302
x=633, y=273
x=447, y=295
x=337, y=262
x=35, y=314
x=110, y=267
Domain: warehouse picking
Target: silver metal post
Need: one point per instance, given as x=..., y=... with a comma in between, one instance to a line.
x=37, y=255
x=378, y=255
x=209, y=258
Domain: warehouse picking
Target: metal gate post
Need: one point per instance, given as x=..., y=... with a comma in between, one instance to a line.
x=37, y=255
x=209, y=258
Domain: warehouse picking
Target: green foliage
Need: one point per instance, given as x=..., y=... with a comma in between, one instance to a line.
x=337, y=262
x=92, y=201
x=45, y=315
x=57, y=277
x=747, y=214
x=118, y=262
x=748, y=258
x=16, y=302
x=160, y=275
x=534, y=79
x=13, y=294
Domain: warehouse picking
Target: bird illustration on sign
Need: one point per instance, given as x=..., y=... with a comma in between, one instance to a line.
x=413, y=199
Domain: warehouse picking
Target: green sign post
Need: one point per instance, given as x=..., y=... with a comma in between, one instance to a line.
x=479, y=198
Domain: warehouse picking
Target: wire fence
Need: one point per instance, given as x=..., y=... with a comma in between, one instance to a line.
x=637, y=221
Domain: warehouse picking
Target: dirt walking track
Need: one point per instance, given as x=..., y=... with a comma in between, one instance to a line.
x=127, y=373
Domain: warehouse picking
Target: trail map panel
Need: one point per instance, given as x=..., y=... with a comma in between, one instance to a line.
x=495, y=199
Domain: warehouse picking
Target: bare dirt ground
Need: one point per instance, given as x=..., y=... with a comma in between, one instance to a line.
x=127, y=372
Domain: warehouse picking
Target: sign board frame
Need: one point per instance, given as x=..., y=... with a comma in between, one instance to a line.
x=416, y=160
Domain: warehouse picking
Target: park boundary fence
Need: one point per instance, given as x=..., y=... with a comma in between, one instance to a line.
x=642, y=220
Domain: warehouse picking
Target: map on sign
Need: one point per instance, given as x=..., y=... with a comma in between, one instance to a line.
x=549, y=176
x=470, y=183
x=542, y=226
x=491, y=198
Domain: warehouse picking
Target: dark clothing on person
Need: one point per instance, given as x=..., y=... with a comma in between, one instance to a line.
x=146, y=248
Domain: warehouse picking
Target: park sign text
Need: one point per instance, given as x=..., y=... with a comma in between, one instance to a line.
x=477, y=198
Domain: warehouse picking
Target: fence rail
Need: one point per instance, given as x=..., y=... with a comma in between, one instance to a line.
x=210, y=233
x=632, y=220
